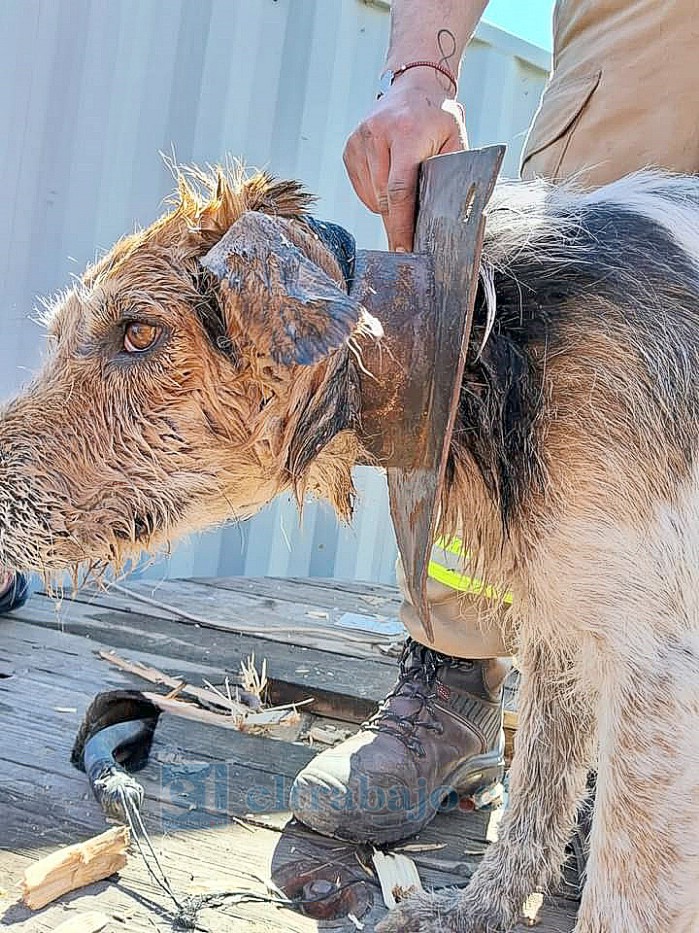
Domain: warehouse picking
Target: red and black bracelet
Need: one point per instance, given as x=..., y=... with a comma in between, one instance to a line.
x=390, y=75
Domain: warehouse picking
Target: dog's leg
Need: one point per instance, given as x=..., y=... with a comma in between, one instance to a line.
x=640, y=648
x=547, y=782
x=643, y=872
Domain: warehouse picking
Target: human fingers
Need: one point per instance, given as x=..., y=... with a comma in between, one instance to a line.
x=355, y=157
x=401, y=196
x=456, y=139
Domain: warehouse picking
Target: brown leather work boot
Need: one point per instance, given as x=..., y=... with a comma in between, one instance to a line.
x=436, y=738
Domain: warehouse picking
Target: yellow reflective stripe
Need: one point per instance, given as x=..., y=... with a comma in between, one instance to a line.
x=466, y=584
x=452, y=546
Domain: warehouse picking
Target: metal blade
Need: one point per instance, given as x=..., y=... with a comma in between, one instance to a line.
x=425, y=304
x=454, y=191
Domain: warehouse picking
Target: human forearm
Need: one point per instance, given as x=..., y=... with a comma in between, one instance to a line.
x=416, y=117
x=432, y=30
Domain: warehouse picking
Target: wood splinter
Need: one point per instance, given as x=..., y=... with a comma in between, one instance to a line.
x=75, y=867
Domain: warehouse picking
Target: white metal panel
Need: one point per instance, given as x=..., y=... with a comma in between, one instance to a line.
x=92, y=90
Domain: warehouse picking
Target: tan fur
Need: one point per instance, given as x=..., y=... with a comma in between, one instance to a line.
x=605, y=576
x=189, y=441
x=104, y=456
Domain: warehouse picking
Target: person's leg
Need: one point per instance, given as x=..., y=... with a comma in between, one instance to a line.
x=14, y=591
x=437, y=734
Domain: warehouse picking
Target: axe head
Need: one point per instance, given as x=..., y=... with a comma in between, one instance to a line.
x=410, y=390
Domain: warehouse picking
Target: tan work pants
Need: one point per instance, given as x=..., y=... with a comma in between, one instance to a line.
x=623, y=95
x=624, y=92
x=464, y=627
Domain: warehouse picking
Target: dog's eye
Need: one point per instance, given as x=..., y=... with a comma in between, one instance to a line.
x=139, y=337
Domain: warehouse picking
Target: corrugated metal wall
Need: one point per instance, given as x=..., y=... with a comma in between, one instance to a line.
x=92, y=90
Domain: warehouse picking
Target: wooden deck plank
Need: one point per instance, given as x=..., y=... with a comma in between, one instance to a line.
x=325, y=594
x=198, y=777
x=341, y=687
x=269, y=609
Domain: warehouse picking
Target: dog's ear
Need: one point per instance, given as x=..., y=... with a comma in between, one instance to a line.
x=289, y=306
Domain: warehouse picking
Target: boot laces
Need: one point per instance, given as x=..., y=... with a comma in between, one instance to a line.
x=416, y=681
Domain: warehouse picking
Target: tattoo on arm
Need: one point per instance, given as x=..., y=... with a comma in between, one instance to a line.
x=446, y=43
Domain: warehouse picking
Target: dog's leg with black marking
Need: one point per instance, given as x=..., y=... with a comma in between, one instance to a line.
x=547, y=783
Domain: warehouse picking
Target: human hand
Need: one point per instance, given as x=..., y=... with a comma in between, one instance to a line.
x=414, y=120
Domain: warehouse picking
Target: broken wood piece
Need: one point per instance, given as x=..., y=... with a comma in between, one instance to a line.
x=74, y=867
x=252, y=700
x=249, y=722
x=328, y=735
x=531, y=908
x=189, y=711
x=91, y=922
x=240, y=716
x=254, y=681
x=398, y=876
x=177, y=686
x=266, y=718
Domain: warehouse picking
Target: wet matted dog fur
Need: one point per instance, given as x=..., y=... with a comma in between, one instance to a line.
x=182, y=390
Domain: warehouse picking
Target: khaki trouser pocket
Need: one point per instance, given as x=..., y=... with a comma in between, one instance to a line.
x=562, y=105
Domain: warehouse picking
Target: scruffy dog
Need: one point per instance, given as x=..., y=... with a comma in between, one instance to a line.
x=211, y=361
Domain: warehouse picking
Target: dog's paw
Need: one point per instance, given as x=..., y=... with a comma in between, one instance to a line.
x=425, y=913
x=454, y=911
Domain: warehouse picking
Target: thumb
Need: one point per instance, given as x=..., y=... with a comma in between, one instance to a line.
x=456, y=138
x=454, y=144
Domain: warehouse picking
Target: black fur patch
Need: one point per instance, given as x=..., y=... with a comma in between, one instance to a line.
x=614, y=254
x=211, y=317
x=329, y=412
x=341, y=244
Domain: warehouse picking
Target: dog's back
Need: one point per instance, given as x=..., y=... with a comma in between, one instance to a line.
x=587, y=321
x=574, y=478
